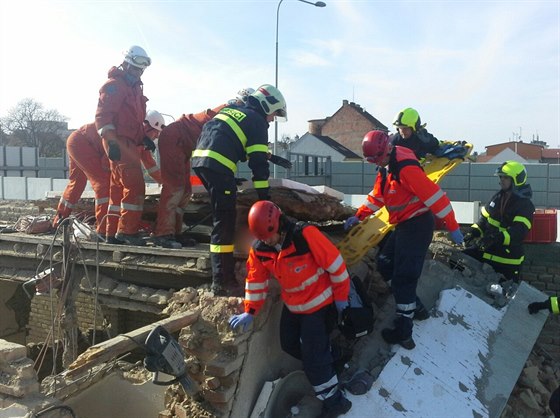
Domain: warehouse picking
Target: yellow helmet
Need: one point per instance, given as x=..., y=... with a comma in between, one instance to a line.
x=408, y=117
x=514, y=170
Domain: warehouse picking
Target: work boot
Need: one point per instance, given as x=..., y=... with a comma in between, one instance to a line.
x=166, y=241
x=335, y=405
x=113, y=240
x=401, y=334
x=341, y=356
x=130, y=239
x=420, y=313
x=393, y=336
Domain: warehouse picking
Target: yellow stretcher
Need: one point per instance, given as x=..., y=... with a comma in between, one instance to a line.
x=368, y=233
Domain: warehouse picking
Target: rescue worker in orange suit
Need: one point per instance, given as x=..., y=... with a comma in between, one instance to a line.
x=88, y=161
x=410, y=198
x=412, y=134
x=236, y=133
x=121, y=111
x=153, y=125
x=176, y=144
x=312, y=277
x=497, y=237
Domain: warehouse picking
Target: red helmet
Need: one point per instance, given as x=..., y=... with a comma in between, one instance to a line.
x=264, y=219
x=375, y=146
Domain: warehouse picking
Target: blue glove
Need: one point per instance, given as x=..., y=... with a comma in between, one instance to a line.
x=340, y=305
x=456, y=236
x=350, y=222
x=245, y=319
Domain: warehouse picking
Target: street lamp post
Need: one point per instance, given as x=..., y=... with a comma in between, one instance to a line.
x=316, y=4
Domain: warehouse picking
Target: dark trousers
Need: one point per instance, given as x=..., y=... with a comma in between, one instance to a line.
x=306, y=337
x=510, y=272
x=401, y=260
x=223, y=196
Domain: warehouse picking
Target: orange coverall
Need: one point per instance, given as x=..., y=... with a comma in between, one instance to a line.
x=122, y=106
x=176, y=144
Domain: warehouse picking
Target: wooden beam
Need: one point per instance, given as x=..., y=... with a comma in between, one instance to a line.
x=109, y=350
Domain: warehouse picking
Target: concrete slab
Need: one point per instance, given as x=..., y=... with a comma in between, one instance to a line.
x=466, y=361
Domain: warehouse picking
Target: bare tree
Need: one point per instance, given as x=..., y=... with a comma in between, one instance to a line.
x=285, y=141
x=29, y=124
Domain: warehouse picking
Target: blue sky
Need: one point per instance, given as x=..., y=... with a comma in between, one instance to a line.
x=482, y=71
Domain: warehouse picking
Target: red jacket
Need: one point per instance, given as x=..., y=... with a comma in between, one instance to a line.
x=407, y=192
x=122, y=105
x=309, y=268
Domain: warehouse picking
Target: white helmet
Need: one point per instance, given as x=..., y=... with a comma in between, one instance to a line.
x=137, y=57
x=244, y=93
x=155, y=120
x=271, y=100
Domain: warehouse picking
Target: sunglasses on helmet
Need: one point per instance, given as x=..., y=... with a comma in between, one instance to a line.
x=140, y=60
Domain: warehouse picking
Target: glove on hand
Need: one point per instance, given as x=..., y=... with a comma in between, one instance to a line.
x=263, y=194
x=282, y=162
x=470, y=236
x=149, y=144
x=456, y=236
x=490, y=239
x=538, y=306
x=114, y=151
x=340, y=305
x=350, y=222
x=244, y=320
x=240, y=180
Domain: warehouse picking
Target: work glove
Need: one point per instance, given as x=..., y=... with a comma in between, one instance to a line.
x=456, y=236
x=240, y=180
x=551, y=304
x=490, y=239
x=282, y=162
x=149, y=144
x=263, y=194
x=114, y=153
x=340, y=305
x=244, y=320
x=470, y=236
x=350, y=222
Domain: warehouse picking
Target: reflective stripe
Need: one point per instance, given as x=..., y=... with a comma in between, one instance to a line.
x=255, y=297
x=414, y=199
x=151, y=170
x=101, y=200
x=418, y=212
x=339, y=278
x=335, y=265
x=256, y=286
x=179, y=211
x=406, y=307
x=434, y=198
x=216, y=156
x=507, y=237
x=260, y=184
x=257, y=148
x=114, y=208
x=329, y=388
x=234, y=127
x=444, y=212
x=554, y=305
x=217, y=248
x=66, y=203
x=523, y=220
x=130, y=206
x=502, y=260
x=490, y=220
x=318, y=300
x=306, y=282
x=371, y=206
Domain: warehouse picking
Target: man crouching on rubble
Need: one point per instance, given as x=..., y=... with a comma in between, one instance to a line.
x=410, y=197
x=312, y=275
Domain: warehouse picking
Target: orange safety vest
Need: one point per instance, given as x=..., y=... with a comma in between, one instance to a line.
x=406, y=191
x=309, y=268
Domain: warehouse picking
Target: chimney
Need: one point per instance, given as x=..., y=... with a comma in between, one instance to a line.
x=316, y=127
x=345, y=102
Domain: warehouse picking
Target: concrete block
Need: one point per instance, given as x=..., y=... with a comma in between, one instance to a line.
x=10, y=352
x=15, y=188
x=37, y=188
